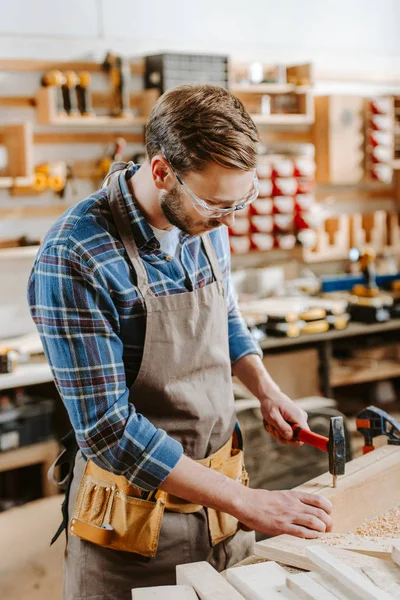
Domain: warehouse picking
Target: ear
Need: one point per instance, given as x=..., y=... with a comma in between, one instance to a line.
x=162, y=174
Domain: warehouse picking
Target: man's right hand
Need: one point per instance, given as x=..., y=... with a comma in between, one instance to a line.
x=277, y=512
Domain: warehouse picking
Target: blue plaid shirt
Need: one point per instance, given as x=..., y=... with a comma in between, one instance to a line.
x=91, y=319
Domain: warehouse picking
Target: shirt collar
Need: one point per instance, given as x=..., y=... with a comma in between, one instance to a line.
x=142, y=232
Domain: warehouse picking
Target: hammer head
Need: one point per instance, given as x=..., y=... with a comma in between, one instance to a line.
x=337, y=446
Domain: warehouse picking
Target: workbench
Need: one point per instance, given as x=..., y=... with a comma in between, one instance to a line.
x=385, y=333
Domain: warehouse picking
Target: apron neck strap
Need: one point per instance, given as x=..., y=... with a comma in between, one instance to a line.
x=121, y=218
x=212, y=257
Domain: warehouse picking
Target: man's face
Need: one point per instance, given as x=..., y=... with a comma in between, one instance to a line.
x=216, y=185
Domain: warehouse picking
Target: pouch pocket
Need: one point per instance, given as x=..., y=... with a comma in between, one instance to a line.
x=136, y=524
x=107, y=516
x=222, y=525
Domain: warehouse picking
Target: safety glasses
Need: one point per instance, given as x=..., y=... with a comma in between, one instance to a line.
x=210, y=211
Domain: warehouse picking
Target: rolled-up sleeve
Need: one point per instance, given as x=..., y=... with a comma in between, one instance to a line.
x=79, y=327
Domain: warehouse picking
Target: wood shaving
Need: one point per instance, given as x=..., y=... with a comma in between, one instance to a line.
x=386, y=525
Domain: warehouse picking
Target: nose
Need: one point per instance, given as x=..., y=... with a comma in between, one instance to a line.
x=228, y=219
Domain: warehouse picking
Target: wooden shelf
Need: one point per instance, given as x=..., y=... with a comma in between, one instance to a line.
x=46, y=100
x=31, y=65
x=26, y=374
x=282, y=119
x=18, y=252
x=270, y=88
x=350, y=374
x=43, y=452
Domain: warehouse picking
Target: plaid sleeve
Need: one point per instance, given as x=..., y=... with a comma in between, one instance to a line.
x=79, y=325
x=241, y=342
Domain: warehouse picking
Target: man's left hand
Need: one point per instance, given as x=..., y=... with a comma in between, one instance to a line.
x=277, y=411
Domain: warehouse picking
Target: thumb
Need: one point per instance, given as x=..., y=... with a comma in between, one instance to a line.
x=281, y=425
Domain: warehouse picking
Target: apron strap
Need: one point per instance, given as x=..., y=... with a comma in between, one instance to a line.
x=121, y=219
x=214, y=262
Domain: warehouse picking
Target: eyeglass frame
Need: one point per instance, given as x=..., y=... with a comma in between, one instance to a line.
x=216, y=212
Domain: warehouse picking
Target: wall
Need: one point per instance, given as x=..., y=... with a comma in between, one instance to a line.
x=335, y=34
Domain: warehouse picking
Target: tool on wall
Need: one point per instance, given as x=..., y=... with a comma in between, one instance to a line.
x=119, y=70
x=368, y=304
x=373, y=422
x=56, y=79
x=116, y=154
x=84, y=95
x=334, y=445
x=69, y=93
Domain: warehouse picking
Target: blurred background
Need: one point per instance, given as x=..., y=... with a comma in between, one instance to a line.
x=314, y=259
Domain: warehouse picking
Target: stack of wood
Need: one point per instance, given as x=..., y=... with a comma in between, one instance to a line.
x=368, y=569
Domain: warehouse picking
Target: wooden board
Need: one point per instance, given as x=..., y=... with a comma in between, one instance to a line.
x=379, y=547
x=206, y=581
x=165, y=592
x=357, y=583
x=263, y=581
x=330, y=584
x=307, y=588
x=356, y=498
x=291, y=551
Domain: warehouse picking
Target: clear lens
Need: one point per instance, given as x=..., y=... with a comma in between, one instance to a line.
x=208, y=211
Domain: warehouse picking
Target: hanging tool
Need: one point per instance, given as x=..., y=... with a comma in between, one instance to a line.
x=372, y=422
x=69, y=93
x=83, y=94
x=119, y=70
x=334, y=445
x=116, y=154
x=56, y=79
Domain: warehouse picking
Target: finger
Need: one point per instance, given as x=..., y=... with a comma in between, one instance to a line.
x=322, y=515
x=303, y=532
x=277, y=421
x=275, y=433
x=317, y=501
x=311, y=522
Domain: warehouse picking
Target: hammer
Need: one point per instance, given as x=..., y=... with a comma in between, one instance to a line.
x=334, y=445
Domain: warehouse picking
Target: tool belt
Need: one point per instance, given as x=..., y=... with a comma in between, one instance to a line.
x=111, y=512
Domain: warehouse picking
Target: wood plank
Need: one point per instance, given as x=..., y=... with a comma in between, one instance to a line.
x=307, y=588
x=381, y=579
x=32, y=212
x=17, y=101
x=357, y=583
x=89, y=137
x=330, y=584
x=290, y=550
x=206, y=581
x=165, y=592
x=263, y=581
x=25, y=64
x=378, y=547
x=355, y=498
x=396, y=553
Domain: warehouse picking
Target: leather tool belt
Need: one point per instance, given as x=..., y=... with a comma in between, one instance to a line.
x=111, y=512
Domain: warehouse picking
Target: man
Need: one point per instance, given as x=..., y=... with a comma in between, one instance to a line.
x=132, y=297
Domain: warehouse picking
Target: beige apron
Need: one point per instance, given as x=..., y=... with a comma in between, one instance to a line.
x=184, y=386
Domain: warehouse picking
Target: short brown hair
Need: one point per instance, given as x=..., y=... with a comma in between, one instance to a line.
x=199, y=124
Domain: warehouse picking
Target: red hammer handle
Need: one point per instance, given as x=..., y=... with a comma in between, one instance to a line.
x=310, y=438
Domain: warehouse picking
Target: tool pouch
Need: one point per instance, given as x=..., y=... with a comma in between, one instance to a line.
x=109, y=511
x=222, y=525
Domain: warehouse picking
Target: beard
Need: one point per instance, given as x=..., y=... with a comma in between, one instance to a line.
x=172, y=205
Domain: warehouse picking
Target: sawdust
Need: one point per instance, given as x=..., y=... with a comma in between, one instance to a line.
x=385, y=525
